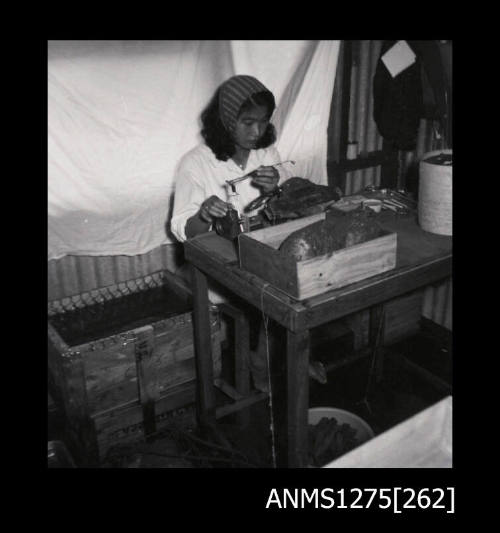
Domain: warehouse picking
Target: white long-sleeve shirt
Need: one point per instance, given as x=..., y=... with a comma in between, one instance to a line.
x=200, y=175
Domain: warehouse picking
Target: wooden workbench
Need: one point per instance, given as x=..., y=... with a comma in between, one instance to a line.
x=422, y=259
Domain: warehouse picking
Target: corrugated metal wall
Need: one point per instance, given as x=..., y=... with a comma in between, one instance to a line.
x=362, y=127
x=72, y=275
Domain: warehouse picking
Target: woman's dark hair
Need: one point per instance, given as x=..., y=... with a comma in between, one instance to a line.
x=219, y=140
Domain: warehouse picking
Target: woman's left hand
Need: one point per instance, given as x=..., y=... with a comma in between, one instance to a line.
x=265, y=178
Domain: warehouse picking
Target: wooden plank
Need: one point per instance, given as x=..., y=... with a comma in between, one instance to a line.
x=147, y=363
x=223, y=386
x=297, y=361
x=182, y=366
x=118, y=417
x=239, y=405
x=175, y=346
x=110, y=375
x=269, y=264
x=119, y=426
x=365, y=293
x=371, y=159
x=346, y=266
x=274, y=235
x=176, y=397
x=182, y=371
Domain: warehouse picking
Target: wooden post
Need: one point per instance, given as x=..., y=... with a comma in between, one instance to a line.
x=338, y=124
x=205, y=393
x=297, y=360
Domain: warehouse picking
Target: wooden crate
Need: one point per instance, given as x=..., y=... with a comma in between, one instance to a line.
x=122, y=387
x=259, y=254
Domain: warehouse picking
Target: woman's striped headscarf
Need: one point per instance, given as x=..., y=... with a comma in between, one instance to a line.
x=233, y=92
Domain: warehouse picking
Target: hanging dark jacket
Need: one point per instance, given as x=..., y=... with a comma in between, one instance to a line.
x=398, y=102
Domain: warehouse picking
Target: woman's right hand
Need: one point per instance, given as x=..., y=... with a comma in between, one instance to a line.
x=213, y=207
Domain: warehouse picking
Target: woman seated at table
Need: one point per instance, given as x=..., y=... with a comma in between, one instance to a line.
x=238, y=139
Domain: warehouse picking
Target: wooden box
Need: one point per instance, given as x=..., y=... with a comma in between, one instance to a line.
x=124, y=386
x=259, y=254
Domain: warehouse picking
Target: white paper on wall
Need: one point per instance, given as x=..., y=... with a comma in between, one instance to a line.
x=398, y=58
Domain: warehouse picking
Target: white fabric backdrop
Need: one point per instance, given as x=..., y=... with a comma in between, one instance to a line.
x=122, y=113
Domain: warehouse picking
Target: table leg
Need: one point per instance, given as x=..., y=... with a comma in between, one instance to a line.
x=376, y=336
x=241, y=356
x=297, y=360
x=205, y=393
